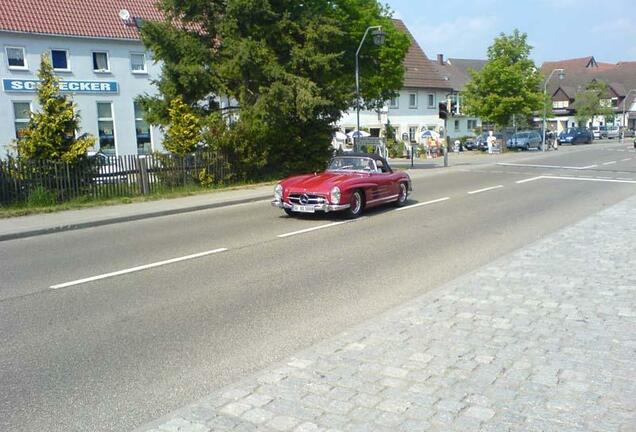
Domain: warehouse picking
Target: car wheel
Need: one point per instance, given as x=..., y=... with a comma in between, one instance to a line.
x=289, y=212
x=356, y=205
x=403, y=196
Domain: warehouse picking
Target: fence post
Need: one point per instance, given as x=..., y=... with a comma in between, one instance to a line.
x=143, y=176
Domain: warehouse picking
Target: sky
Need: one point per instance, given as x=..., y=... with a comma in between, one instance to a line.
x=557, y=29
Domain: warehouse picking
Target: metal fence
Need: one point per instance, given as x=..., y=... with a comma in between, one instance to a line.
x=101, y=176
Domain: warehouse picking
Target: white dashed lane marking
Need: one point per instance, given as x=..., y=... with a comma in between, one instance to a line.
x=137, y=269
x=423, y=204
x=485, y=189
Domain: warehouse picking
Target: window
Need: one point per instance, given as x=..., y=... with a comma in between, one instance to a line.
x=412, y=133
x=59, y=59
x=431, y=101
x=142, y=131
x=21, y=114
x=106, y=128
x=472, y=124
x=560, y=104
x=412, y=100
x=138, y=62
x=456, y=125
x=395, y=102
x=16, y=58
x=100, y=62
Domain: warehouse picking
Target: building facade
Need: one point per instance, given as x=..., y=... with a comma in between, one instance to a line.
x=99, y=59
x=579, y=73
x=416, y=107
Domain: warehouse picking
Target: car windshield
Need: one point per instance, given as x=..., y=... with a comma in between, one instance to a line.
x=572, y=130
x=351, y=163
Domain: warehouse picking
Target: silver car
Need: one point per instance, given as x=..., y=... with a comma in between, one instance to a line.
x=525, y=140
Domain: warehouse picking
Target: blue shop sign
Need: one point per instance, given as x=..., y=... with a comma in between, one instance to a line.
x=30, y=86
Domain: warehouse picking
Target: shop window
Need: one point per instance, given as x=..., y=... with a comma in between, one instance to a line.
x=138, y=62
x=106, y=128
x=412, y=134
x=21, y=115
x=142, y=131
x=16, y=58
x=100, y=62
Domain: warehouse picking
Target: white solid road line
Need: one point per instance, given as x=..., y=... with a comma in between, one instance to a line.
x=138, y=268
x=319, y=227
x=547, y=166
x=423, y=204
x=585, y=167
x=626, y=159
x=485, y=189
x=609, y=163
x=592, y=179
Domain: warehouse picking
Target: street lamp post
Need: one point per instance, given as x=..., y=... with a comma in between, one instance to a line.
x=378, y=38
x=624, y=121
x=545, y=108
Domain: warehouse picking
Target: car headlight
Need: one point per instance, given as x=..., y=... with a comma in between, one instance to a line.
x=278, y=192
x=335, y=195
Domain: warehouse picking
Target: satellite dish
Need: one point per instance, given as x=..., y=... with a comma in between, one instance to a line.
x=124, y=14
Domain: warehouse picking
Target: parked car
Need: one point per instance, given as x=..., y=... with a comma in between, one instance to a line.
x=612, y=132
x=576, y=136
x=629, y=133
x=525, y=140
x=351, y=184
x=597, y=132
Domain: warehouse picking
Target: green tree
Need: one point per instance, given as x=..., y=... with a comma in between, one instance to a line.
x=51, y=132
x=508, y=84
x=590, y=102
x=287, y=67
x=184, y=130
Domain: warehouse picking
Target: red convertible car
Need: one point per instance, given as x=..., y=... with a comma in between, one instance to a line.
x=352, y=183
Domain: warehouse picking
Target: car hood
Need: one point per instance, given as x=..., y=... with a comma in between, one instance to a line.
x=322, y=182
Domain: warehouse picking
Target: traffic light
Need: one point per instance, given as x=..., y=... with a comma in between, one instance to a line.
x=453, y=108
x=443, y=110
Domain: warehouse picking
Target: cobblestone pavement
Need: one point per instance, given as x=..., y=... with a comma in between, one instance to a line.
x=543, y=339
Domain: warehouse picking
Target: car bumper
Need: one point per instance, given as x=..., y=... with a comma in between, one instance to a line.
x=316, y=207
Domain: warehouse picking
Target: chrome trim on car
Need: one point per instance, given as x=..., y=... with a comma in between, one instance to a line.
x=382, y=199
x=317, y=207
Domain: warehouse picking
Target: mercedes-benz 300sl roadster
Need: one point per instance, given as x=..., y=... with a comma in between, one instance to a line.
x=352, y=183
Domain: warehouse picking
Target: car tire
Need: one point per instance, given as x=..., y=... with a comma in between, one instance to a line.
x=403, y=196
x=356, y=205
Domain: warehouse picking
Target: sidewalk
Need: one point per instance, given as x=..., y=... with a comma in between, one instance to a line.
x=543, y=339
x=27, y=226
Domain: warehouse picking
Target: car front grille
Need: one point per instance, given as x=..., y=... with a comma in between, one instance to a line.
x=304, y=199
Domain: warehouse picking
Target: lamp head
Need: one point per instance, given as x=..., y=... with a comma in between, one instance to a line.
x=561, y=73
x=379, y=37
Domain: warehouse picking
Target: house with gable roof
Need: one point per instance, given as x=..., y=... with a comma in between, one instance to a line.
x=415, y=109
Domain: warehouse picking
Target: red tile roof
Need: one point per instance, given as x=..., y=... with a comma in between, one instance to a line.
x=420, y=71
x=570, y=65
x=88, y=18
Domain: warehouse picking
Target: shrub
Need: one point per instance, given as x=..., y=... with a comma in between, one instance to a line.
x=41, y=197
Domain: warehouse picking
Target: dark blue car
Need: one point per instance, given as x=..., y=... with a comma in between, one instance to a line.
x=576, y=136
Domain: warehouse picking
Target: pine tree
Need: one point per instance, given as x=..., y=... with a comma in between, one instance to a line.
x=51, y=132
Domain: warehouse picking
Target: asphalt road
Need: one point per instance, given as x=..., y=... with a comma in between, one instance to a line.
x=114, y=353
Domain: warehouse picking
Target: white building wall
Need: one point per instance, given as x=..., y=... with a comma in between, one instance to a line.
x=80, y=50
x=403, y=117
